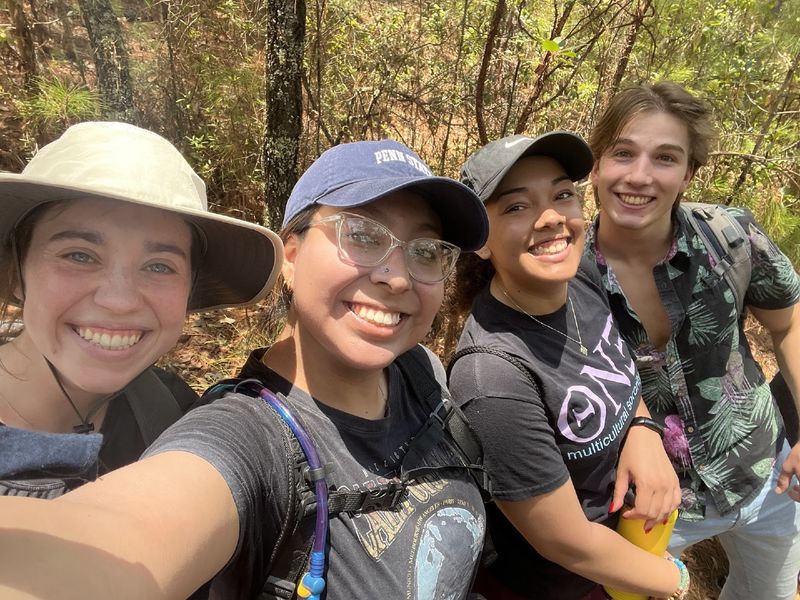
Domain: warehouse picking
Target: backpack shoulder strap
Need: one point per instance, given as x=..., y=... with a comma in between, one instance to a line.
x=153, y=405
x=726, y=242
x=446, y=422
x=500, y=354
x=292, y=549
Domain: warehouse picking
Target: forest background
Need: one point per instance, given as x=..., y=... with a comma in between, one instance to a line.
x=251, y=91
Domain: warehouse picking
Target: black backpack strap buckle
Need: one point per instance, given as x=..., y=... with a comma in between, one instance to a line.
x=385, y=497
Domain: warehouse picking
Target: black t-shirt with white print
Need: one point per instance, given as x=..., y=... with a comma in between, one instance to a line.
x=569, y=426
x=426, y=550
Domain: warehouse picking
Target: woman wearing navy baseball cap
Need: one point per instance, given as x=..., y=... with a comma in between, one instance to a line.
x=344, y=402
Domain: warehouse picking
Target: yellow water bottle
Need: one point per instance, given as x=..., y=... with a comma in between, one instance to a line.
x=655, y=542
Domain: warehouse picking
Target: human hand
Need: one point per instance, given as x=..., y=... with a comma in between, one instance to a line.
x=644, y=463
x=790, y=468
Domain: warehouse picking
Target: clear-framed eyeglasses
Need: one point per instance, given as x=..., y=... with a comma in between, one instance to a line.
x=367, y=243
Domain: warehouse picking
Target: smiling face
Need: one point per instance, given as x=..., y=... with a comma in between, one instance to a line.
x=639, y=178
x=535, y=227
x=361, y=318
x=106, y=286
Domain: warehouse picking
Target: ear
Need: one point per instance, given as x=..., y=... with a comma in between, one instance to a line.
x=484, y=252
x=15, y=285
x=290, y=248
x=687, y=178
x=593, y=173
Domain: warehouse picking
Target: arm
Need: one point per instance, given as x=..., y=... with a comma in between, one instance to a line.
x=784, y=328
x=644, y=462
x=139, y=532
x=555, y=525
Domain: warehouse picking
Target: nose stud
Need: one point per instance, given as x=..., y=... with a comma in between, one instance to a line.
x=386, y=269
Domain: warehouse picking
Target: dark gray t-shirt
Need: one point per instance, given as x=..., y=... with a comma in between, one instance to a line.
x=427, y=550
x=570, y=425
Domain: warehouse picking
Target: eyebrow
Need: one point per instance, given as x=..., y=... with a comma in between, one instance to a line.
x=554, y=181
x=89, y=236
x=96, y=238
x=375, y=214
x=161, y=247
x=674, y=147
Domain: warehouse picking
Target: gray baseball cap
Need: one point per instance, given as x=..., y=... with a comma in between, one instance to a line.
x=485, y=169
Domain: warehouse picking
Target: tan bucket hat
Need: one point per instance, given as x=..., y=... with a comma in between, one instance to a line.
x=121, y=162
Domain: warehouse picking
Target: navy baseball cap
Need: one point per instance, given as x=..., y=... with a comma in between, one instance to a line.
x=485, y=169
x=358, y=173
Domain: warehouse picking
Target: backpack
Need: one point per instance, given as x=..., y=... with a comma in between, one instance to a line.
x=153, y=405
x=290, y=555
x=727, y=244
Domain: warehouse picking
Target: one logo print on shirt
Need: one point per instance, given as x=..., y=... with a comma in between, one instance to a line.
x=595, y=411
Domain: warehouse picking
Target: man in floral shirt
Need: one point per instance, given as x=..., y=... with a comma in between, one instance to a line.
x=723, y=432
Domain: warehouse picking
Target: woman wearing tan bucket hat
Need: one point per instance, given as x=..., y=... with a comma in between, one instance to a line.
x=105, y=243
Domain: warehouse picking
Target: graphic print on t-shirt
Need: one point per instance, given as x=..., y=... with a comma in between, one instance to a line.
x=440, y=529
x=593, y=412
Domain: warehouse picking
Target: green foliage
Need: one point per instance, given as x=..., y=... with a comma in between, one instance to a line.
x=57, y=103
x=409, y=69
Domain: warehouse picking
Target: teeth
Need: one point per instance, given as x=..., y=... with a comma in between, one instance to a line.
x=379, y=317
x=553, y=247
x=635, y=200
x=108, y=341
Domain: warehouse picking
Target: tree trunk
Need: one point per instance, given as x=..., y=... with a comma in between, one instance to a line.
x=627, y=47
x=26, y=49
x=67, y=39
x=286, y=30
x=494, y=28
x=110, y=59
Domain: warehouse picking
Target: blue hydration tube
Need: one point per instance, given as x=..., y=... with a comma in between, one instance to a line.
x=312, y=582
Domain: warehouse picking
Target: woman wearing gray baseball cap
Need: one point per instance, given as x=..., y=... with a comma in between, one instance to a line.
x=337, y=441
x=105, y=243
x=547, y=382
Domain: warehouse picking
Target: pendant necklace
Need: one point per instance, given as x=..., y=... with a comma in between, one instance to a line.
x=579, y=341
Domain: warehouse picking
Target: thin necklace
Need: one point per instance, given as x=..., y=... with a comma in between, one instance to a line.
x=86, y=425
x=16, y=412
x=579, y=341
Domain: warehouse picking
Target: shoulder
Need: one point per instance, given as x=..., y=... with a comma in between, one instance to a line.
x=422, y=360
x=492, y=372
x=234, y=425
x=589, y=276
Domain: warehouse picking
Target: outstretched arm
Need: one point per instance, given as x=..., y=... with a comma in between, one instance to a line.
x=159, y=528
x=644, y=463
x=556, y=527
x=784, y=328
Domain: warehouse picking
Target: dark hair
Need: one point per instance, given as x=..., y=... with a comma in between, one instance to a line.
x=666, y=97
x=472, y=275
x=279, y=299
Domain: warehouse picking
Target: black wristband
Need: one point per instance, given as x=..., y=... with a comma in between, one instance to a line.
x=649, y=423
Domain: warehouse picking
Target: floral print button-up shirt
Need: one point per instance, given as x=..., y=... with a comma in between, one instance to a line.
x=722, y=427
